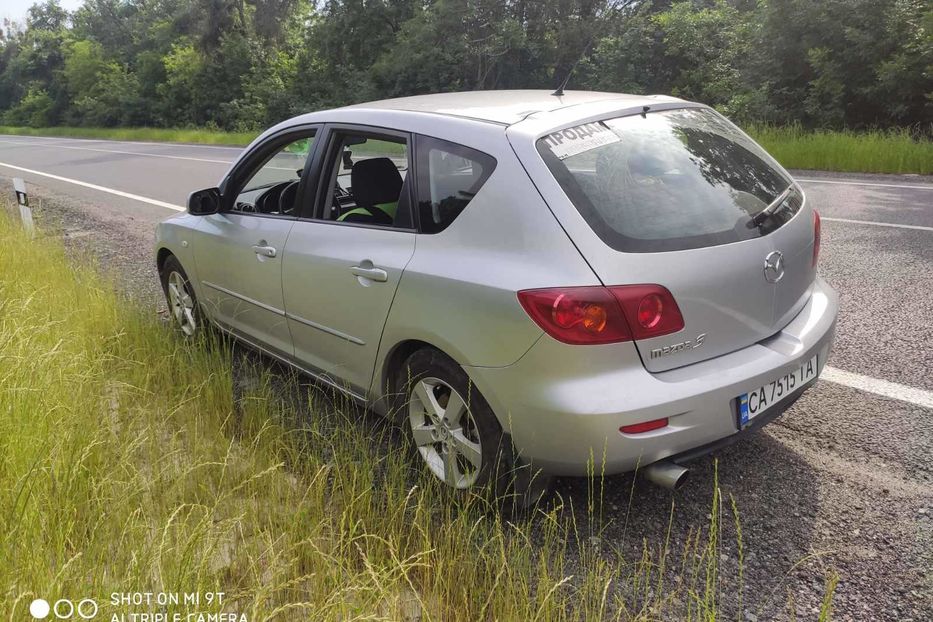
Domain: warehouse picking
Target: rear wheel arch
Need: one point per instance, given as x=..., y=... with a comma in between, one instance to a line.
x=392, y=367
x=513, y=481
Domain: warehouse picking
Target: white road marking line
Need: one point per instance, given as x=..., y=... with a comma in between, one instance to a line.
x=85, y=184
x=884, y=388
x=862, y=183
x=135, y=153
x=876, y=224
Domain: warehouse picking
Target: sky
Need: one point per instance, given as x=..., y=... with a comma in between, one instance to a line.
x=16, y=9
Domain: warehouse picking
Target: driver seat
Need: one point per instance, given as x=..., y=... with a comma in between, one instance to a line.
x=376, y=185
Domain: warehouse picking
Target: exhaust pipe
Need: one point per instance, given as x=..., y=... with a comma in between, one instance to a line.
x=666, y=474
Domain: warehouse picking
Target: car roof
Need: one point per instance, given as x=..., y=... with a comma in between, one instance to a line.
x=503, y=107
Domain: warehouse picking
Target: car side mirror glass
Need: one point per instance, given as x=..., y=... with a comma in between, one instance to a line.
x=204, y=202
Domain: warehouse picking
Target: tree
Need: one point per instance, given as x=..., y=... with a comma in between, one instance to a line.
x=242, y=64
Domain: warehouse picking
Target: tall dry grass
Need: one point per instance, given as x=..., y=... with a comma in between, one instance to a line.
x=132, y=461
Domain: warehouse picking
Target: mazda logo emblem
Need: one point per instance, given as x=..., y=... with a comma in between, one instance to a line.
x=774, y=266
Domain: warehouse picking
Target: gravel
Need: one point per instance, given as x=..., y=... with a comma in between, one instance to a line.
x=841, y=483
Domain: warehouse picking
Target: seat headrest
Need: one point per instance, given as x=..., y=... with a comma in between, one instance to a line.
x=374, y=181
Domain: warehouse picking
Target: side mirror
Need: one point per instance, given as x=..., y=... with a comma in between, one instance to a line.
x=204, y=202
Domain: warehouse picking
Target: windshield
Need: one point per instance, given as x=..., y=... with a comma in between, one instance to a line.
x=668, y=180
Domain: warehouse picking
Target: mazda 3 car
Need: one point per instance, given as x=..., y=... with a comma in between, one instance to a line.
x=584, y=282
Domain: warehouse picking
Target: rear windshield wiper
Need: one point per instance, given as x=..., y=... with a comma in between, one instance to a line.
x=772, y=207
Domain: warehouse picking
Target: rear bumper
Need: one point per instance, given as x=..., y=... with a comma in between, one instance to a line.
x=563, y=405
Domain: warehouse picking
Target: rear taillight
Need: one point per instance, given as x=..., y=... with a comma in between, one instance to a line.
x=596, y=315
x=816, y=237
x=577, y=315
x=644, y=426
x=650, y=309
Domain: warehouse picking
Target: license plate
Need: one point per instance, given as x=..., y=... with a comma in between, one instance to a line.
x=758, y=400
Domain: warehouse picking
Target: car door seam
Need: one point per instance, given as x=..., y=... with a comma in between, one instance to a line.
x=385, y=321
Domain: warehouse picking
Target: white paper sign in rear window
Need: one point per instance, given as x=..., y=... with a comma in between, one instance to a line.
x=575, y=140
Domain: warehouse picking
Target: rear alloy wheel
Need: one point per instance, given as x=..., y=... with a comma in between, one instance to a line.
x=182, y=303
x=458, y=437
x=446, y=433
x=453, y=428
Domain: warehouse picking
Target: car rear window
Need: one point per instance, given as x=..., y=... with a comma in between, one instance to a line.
x=449, y=176
x=668, y=180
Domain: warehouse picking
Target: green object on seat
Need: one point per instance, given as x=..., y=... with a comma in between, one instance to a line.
x=389, y=208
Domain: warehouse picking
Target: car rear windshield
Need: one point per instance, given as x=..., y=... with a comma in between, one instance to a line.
x=669, y=180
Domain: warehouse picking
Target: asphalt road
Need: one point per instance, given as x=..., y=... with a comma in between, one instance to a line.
x=843, y=480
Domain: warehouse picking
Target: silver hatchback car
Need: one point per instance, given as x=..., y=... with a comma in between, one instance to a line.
x=589, y=282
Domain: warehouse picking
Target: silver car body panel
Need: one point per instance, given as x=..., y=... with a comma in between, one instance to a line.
x=240, y=288
x=336, y=317
x=456, y=290
x=566, y=417
x=721, y=290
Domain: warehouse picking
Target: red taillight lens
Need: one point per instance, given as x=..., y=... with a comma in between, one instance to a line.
x=594, y=315
x=645, y=426
x=817, y=235
x=577, y=315
x=652, y=307
x=650, y=311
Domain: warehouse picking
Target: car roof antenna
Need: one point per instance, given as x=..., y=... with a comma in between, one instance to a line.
x=560, y=89
x=612, y=5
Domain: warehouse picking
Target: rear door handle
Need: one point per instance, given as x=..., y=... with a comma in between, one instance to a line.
x=367, y=271
x=265, y=251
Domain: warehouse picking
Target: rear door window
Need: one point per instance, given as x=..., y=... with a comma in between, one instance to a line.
x=668, y=180
x=365, y=177
x=449, y=176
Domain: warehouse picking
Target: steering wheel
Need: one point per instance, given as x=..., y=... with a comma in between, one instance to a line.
x=287, y=198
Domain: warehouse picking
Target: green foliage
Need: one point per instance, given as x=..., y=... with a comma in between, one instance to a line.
x=35, y=109
x=244, y=64
x=103, y=93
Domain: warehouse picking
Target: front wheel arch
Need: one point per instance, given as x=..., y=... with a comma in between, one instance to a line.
x=161, y=256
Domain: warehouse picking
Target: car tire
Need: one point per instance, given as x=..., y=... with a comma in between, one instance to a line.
x=465, y=447
x=184, y=311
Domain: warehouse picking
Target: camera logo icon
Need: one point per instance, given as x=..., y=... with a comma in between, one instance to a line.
x=64, y=609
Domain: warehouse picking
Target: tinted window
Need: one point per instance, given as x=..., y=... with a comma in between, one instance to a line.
x=449, y=176
x=667, y=180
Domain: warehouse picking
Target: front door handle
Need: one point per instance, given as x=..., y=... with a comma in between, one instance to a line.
x=368, y=271
x=265, y=251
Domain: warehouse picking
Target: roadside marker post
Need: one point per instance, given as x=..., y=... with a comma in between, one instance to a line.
x=25, y=212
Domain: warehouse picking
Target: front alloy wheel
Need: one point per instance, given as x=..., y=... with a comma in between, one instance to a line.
x=445, y=432
x=181, y=304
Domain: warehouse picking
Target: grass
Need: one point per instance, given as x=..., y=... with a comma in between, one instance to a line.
x=131, y=461
x=891, y=151
x=150, y=134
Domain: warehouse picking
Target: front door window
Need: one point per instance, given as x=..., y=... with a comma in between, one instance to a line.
x=273, y=187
